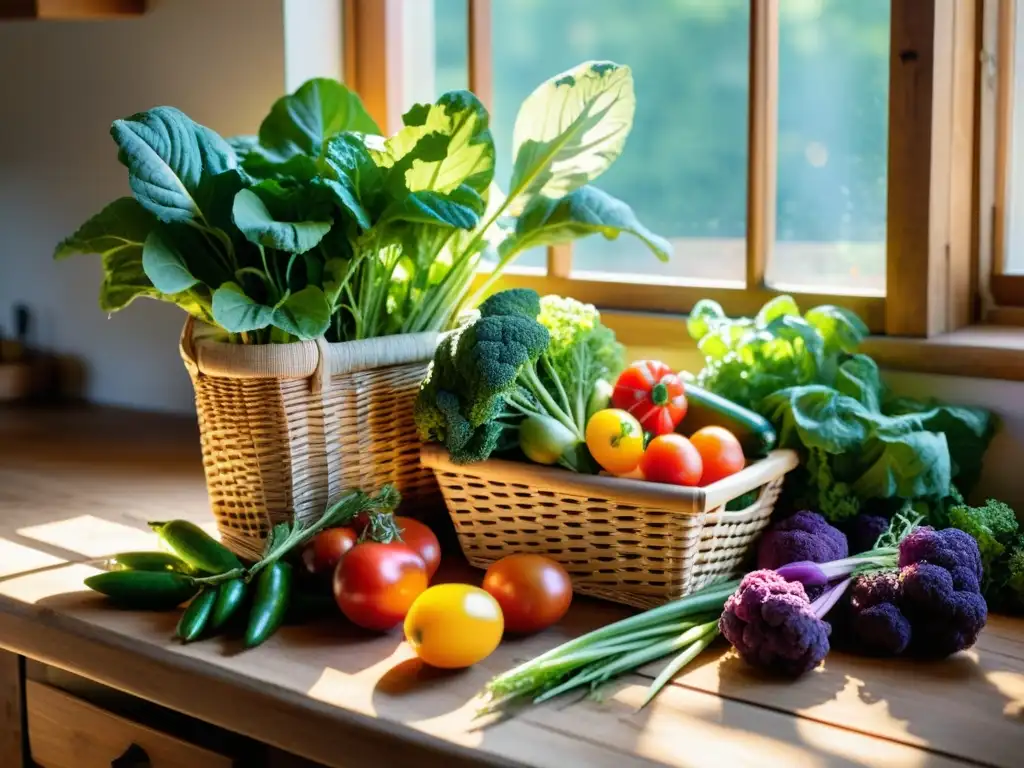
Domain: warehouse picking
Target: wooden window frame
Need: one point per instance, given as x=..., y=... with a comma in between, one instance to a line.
x=1007, y=290
x=931, y=216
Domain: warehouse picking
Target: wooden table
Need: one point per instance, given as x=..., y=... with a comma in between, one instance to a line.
x=80, y=484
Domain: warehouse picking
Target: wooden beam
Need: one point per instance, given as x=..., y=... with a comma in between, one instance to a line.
x=373, y=58
x=762, y=137
x=1005, y=48
x=560, y=260
x=481, y=52
x=928, y=224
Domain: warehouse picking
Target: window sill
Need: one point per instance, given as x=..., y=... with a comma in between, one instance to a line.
x=987, y=352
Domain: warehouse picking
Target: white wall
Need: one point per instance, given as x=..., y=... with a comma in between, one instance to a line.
x=222, y=62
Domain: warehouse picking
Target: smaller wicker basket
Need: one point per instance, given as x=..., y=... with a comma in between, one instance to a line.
x=629, y=541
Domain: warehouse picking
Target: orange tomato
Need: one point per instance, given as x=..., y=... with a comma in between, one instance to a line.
x=452, y=626
x=615, y=440
x=672, y=459
x=533, y=591
x=720, y=451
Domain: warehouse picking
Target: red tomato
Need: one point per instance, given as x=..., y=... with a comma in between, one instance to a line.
x=423, y=541
x=322, y=554
x=653, y=394
x=533, y=591
x=720, y=453
x=375, y=584
x=672, y=459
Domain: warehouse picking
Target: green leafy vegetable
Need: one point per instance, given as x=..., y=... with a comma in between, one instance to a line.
x=860, y=445
x=319, y=226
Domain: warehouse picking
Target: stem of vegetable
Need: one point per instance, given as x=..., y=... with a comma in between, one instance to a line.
x=538, y=390
x=673, y=667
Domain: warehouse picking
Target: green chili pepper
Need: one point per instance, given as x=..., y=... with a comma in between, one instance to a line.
x=196, y=547
x=230, y=596
x=197, y=616
x=273, y=588
x=146, y=561
x=153, y=590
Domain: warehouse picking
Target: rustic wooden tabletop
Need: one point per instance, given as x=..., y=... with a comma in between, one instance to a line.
x=79, y=484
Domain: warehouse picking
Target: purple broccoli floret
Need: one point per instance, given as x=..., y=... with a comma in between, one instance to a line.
x=951, y=549
x=874, y=618
x=771, y=624
x=863, y=531
x=803, y=536
x=945, y=619
x=931, y=607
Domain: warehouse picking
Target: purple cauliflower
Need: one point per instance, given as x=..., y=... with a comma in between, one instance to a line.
x=931, y=607
x=803, y=536
x=771, y=623
x=863, y=531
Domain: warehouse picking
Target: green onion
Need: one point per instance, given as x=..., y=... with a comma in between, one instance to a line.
x=682, y=625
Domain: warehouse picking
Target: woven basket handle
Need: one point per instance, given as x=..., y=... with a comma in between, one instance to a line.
x=187, y=346
x=316, y=381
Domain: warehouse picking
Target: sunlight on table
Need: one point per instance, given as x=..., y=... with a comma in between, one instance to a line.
x=17, y=558
x=39, y=586
x=92, y=536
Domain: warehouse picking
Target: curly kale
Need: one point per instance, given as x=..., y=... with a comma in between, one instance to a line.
x=995, y=528
x=524, y=360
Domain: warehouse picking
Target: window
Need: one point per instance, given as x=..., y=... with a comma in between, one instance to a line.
x=823, y=148
x=1004, y=88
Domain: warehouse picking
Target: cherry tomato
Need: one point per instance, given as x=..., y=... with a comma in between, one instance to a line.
x=322, y=554
x=720, y=452
x=533, y=591
x=653, y=393
x=672, y=459
x=452, y=626
x=615, y=440
x=375, y=583
x=423, y=541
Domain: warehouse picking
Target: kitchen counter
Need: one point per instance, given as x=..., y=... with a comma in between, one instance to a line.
x=77, y=484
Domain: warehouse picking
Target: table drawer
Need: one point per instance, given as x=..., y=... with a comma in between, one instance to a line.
x=67, y=732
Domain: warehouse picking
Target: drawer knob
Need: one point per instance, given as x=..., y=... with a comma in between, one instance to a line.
x=133, y=757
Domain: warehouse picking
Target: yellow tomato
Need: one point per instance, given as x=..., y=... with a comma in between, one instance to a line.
x=615, y=440
x=452, y=626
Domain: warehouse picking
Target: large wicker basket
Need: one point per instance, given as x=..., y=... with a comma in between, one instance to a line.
x=285, y=427
x=629, y=541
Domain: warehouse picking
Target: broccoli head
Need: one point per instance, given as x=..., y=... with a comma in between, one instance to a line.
x=803, y=536
x=771, y=623
x=462, y=402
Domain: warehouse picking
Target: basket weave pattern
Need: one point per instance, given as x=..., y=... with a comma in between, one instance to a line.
x=277, y=447
x=638, y=551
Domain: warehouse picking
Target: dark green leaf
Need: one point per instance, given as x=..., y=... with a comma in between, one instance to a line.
x=237, y=313
x=583, y=212
x=430, y=208
x=168, y=156
x=300, y=123
x=259, y=226
x=858, y=378
x=165, y=263
x=570, y=130
x=910, y=466
x=305, y=314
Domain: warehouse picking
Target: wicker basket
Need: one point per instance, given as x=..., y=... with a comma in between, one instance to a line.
x=285, y=427
x=629, y=541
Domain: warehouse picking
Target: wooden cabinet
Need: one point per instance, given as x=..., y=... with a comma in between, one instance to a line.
x=67, y=732
x=70, y=9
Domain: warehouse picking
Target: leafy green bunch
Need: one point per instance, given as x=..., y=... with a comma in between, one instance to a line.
x=520, y=373
x=318, y=225
x=860, y=444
